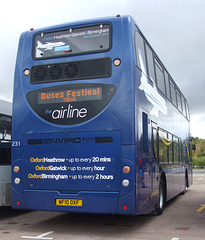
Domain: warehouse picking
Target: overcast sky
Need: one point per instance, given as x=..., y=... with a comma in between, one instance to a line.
x=174, y=28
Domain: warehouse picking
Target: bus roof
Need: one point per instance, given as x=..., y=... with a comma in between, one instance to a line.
x=82, y=23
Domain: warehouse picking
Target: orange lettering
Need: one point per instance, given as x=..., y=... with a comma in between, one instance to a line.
x=43, y=95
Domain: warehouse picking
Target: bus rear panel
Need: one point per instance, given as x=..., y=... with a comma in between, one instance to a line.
x=70, y=145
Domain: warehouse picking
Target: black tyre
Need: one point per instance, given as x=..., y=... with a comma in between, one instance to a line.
x=161, y=202
x=185, y=186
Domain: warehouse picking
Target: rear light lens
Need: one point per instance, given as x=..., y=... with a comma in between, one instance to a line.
x=117, y=62
x=17, y=180
x=126, y=169
x=16, y=169
x=26, y=72
x=125, y=182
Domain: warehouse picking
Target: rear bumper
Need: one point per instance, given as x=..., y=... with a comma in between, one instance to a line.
x=92, y=202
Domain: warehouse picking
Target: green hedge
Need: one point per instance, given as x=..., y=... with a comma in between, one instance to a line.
x=199, y=162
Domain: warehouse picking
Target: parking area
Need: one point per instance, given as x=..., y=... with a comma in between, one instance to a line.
x=183, y=219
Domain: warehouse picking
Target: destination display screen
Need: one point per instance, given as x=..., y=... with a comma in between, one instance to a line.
x=70, y=104
x=70, y=95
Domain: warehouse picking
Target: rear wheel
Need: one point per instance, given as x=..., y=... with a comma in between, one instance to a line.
x=161, y=201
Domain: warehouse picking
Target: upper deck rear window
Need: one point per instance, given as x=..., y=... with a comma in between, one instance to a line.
x=72, y=41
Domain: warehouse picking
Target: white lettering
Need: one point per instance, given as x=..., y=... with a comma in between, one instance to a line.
x=53, y=176
x=97, y=168
x=46, y=159
x=61, y=168
x=70, y=112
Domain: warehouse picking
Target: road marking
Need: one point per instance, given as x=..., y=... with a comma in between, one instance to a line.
x=175, y=238
x=201, y=208
x=42, y=236
x=200, y=179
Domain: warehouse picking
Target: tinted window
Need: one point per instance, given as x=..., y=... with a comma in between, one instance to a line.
x=167, y=85
x=140, y=52
x=173, y=94
x=150, y=63
x=154, y=138
x=160, y=76
x=145, y=132
x=180, y=150
x=163, y=143
x=170, y=148
x=183, y=106
x=187, y=110
x=72, y=41
x=179, y=102
x=176, y=149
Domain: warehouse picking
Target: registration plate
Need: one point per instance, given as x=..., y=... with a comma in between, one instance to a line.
x=69, y=202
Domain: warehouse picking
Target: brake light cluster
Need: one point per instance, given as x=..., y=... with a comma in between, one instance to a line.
x=125, y=182
x=17, y=180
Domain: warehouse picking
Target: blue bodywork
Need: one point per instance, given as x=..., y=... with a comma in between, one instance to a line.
x=85, y=161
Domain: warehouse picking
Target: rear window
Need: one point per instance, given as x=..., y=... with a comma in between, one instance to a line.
x=72, y=41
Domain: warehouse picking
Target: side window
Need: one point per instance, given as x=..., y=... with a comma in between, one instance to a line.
x=145, y=132
x=150, y=63
x=187, y=110
x=173, y=94
x=140, y=52
x=160, y=76
x=180, y=150
x=167, y=85
x=163, y=143
x=176, y=149
x=170, y=148
x=183, y=106
x=154, y=139
x=179, y=102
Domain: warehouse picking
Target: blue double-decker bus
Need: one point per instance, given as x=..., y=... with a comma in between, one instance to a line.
x=99, y=125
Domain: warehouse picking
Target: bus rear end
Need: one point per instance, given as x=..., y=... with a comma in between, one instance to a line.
x=73, y=119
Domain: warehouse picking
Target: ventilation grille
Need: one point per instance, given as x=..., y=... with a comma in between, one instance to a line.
x=97, y=68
